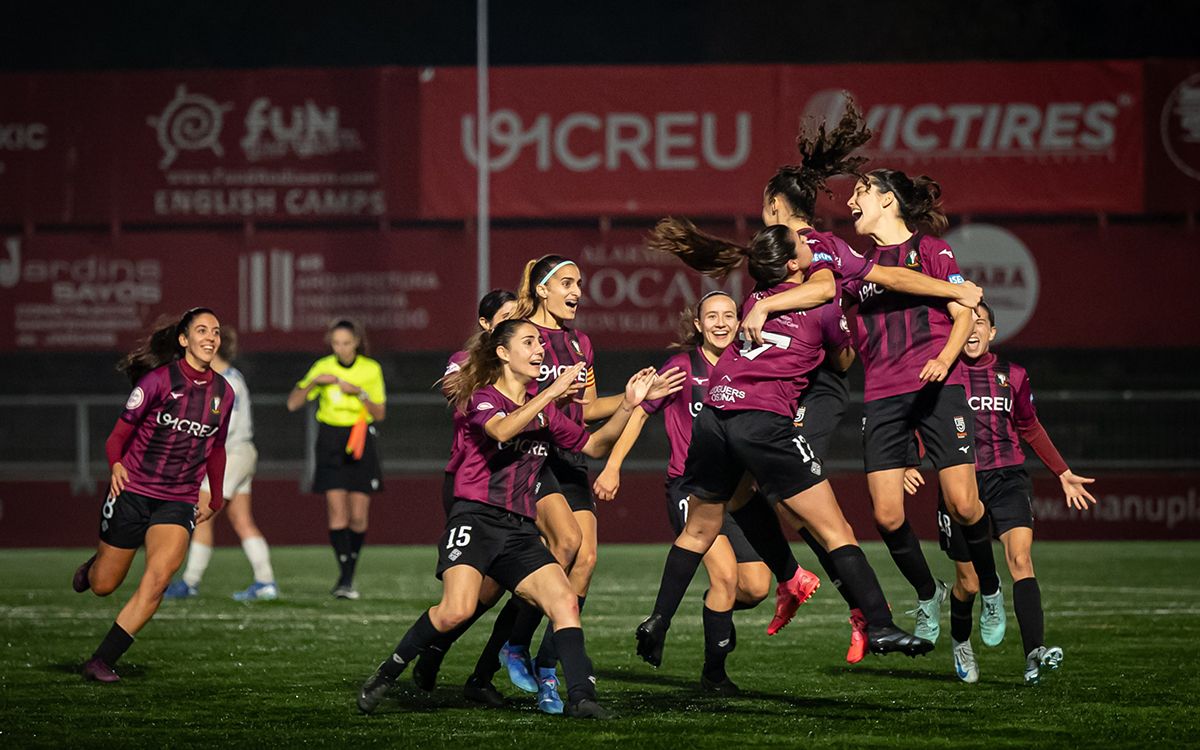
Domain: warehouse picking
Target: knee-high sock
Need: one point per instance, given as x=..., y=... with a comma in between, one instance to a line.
x=857, y=574
x=489, y=659
x=356, y=544
x=199, y=556
x=761, y=527
x=339, y=539
x=526, y=624
x=259, y=555
x=577, y=667
x=960, y=617
x=416, y=640
x=1027, y=601
x=116, y=642
x=718, y=643
x=979, y=544
x=906, y=551
x=547, y=655
x=678, y=572
x=828, y=566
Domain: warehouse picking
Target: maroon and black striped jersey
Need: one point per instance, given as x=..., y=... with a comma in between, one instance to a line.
x=565, y=347
x=998, y=392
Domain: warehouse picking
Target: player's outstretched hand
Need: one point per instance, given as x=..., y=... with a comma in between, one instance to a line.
x=607, y=484
x=667, y=382
x=568, y=383
x=116, y=483
x=912, y=480
x=639, y=385
x=1073, y=487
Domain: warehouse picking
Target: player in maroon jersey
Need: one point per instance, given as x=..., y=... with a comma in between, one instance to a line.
x=737, y=577
x=170, y=435
x=909, y=347
x=747, y=427
x=507, y=435
x=549, y=295
x=998, y=392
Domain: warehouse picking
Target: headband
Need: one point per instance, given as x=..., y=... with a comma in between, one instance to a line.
x=555, y=270
x=713, y=293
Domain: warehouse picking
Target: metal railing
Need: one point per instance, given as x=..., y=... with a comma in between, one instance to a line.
x=59, y=437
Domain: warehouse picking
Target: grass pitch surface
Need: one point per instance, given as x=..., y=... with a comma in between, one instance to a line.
x=211, y=671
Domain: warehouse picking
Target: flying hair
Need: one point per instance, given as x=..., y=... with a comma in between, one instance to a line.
x=161, y=346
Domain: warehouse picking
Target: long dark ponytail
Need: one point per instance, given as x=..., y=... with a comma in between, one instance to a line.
x=920, y=198
x=766, y=256
x=160, y=347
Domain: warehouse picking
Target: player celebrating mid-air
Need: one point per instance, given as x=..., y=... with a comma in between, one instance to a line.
x=171, y=433
x=998, y=391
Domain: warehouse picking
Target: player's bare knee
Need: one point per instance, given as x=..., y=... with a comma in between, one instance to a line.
x=104, y=588
x=563, y=609
x=888, y=519
x=754, y=588
x=1020, y=564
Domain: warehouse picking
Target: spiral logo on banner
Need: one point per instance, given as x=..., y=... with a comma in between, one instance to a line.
x=190, y=122
x=1180, y=126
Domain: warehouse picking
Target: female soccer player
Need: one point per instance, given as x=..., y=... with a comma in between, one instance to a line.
x=507, y=435
x=550, y=292
x=998, y=392
x=241, y=458
x=737, y=577
x=747, y=427
x=171, y=433
x=909, y=347
x=350, y=387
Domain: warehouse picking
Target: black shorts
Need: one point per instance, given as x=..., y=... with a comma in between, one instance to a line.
x=822, y=406
x=938, y=412
x=1007, y=496
x=570, y=471
x=727, y=444
x=337, y=470
x=677, y=507
x=125, y=518
x=503, y=545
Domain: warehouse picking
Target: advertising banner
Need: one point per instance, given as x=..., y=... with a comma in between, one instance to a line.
x=1173, y=135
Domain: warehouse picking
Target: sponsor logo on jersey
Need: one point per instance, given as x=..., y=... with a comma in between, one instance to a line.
x=818, y=257
x=955, y=278
x=484, y=406
x=186, y=426
x=700, y=381
x=964, y=448
x=990, y=403
x=174, y=396
x=1001, y=380
x=527, y=445
x=135, y=398
x=946, y=251
x=725, y=393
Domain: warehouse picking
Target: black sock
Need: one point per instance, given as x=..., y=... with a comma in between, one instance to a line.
x=979, y=544
x=718, y=642
x=1027, y=601
x=960, y=617
x=114, y=644
x=858, y=576
x=677, y=575
x=827, y=565
x=489, y=659
x=577, y=667
x=547, y=655
x=339, y=539
x=356, y=544
x=761, y=526
x=526, y=624
x=416, y=640
x=906, y=551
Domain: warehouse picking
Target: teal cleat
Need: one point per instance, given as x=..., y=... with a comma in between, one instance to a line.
x=965, y=665
x=549, y=701
x=992, y=620
x=520, y=669
x=929, y=612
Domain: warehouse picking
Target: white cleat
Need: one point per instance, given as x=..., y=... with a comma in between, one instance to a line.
x=965, y=665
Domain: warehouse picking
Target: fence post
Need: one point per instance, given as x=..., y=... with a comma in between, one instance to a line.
x=82, y=482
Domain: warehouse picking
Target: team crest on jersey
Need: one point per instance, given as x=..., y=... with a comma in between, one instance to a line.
x=215, y=408
x=541, y=419
x=913, y=259
x=575, y=346
x=960, y=424
x=1001, y=380
x=799, y=420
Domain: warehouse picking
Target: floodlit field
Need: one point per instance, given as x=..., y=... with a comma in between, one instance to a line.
x=210, y=671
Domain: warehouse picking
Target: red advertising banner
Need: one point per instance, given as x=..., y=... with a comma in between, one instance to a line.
x=1047, y=137
x=573, y=141
x=409, y=511
x=1173, y=135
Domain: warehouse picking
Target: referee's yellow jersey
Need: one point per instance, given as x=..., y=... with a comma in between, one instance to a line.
x=338, y=409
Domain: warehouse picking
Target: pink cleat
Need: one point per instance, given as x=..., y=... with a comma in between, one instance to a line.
x=789, y=595
x=858, y=637
x=80, y=582
x=97, y=670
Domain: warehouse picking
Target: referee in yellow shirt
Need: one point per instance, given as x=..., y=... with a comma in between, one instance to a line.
x=349, y=386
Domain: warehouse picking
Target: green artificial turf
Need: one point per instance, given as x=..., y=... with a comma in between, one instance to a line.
x=210, y=671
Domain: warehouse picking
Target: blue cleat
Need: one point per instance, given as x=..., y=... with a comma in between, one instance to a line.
x=549, y=701
x=520, y=668
x=180, y=590
x=992, y=620
x=257, y=592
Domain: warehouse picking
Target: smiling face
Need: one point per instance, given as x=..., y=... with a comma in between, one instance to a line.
x=201, y=341
x=523, y=353
x=868, y=205
x=982, y=333
x=717, y=322
x=344, y=344
x=561, y=293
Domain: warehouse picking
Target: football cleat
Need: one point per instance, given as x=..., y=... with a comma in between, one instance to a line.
x=992, y=620
x=372, y=691
x=1049, y=658
x=181, y=590
x=789, y=595
x=858, y=637
x=344, y=591
x=520, y=667
x=549, y=701
x=80, y=582
x=651, y=636
x=929, y=612
x=425, y=671
x=586, y=709
x=97, y=670
x=483, y=691
x=257, y=592
x=964, y=662
x=887, y=639
x=725, y=687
